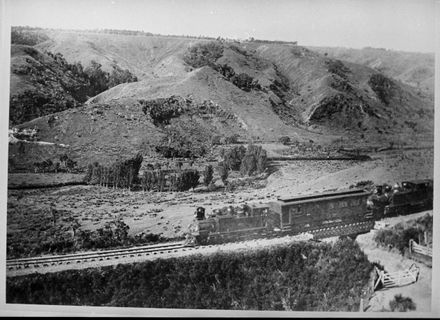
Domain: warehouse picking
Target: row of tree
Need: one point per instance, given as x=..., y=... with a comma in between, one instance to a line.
x=170, y=180
x=121, y=174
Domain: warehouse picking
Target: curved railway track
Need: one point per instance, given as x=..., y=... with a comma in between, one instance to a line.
x=164, y=250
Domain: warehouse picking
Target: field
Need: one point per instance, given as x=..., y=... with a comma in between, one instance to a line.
x=42, y=215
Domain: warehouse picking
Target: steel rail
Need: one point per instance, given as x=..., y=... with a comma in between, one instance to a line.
x=166, y=248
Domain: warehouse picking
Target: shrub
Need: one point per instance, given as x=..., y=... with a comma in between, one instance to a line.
x=284, y=140
x=208, y=175
x=98, y=78
x=21, y=35
x=245, y=82
x=402, y=304
x=187, y=179
x=232, y=158
x=162, y=110
x=382, y=86
x=300, y=277
x=254, y=160
x=119, y=76
x=223, y=171
x=203, y=54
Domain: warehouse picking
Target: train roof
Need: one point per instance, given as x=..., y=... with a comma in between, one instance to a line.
x=419, y=181
x=323, y=196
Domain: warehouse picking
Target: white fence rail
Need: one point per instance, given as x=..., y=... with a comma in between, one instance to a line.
x=417, y=248
x=399, y=278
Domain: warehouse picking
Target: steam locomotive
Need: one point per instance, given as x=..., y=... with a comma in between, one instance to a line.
x=349, y=212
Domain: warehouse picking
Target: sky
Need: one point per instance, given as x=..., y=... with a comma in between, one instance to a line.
x=406, y=25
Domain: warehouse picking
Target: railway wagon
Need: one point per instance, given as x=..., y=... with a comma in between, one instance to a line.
x=325, y=210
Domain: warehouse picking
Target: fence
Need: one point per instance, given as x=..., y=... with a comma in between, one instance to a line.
x=414, y=247
x=396, y=279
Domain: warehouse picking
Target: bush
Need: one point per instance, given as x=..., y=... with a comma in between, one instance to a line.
x=223, y=171
x=402, y=304
x=162, y=110
x=398, y=236
x=284, y=140
x=254, y=160
x=26, y=36
x=119, y=76
x=208, y=175
x=203, y=54
x=245, y=82
x=232, y=158
x=187, y=179
x=300, y=277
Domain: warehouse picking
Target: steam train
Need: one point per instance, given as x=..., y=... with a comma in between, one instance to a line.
x=349, y=212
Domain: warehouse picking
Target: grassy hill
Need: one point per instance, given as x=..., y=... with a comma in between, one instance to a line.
x=42, y=84
x=261, y=91
x=412, y=68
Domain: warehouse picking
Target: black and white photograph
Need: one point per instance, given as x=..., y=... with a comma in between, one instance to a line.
x=219, y=158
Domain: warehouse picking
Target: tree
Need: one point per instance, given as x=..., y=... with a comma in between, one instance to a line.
x=98, y=78
x=119, y=76
x=187, y=179
x=248, y=164
x=208, y=175
x=203, y=54
x=223, y=172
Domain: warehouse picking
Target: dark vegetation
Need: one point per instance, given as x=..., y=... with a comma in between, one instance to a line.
x=285, y=140
x=402, y=304
x=337, y=67
x=125, y=174
x=28, y=36
x=302, y=277
x=241, y=80
x=170, y=180
x=60, y=239
x=383, y=87
x=203, y=54
x=248, y=161
x=58, y=85
x=188, y=138
x=65, y=164
x=206, y=54
x=162, y=110
x=399, y=235
x=121, y=174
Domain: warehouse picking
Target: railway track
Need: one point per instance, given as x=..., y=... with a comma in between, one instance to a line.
x=67, y=259
x=165, y=250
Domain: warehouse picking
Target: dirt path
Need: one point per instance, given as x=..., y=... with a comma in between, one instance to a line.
x=419, y=292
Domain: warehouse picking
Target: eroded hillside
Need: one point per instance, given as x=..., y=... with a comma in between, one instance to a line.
x=261, y=91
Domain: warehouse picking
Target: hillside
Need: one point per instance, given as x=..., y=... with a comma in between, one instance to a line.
x=259, y=91
x=414, y=69
x=42, y=84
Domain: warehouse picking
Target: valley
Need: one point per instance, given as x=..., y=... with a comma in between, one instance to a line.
x=116, y=139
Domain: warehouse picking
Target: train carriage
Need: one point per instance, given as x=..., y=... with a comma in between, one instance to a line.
x=322, y=210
